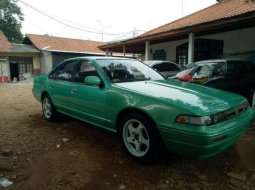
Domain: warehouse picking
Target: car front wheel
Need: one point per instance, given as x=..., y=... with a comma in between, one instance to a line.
x=140, y=138
x=253, y=101
x=49, y=111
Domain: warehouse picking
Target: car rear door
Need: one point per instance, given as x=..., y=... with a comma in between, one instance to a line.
x=60, y=85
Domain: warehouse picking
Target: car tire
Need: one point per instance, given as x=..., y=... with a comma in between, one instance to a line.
x=253, y=100
x=48, y=109
x=140, y=139
x=251, y=97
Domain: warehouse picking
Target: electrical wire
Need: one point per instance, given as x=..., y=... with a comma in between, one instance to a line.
x=68, y=25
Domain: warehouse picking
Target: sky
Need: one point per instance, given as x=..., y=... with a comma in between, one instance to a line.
x=116, y=19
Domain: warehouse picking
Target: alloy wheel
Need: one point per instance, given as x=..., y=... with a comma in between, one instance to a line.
x=47, y=108
x=136, y=138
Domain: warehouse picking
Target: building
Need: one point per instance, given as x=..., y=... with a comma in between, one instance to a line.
x=5, y=48
x=53, y=50
x=39, y=53
x=17, y=60
x=223, y=30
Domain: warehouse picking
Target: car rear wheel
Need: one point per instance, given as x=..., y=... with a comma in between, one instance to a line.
x=140, y=138
x=49, y=111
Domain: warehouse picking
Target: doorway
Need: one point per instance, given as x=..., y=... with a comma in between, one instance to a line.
x=19, y=66
x=14, y=68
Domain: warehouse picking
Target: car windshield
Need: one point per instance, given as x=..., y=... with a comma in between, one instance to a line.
x=127, y=70
x=212, y=69
x=184, y=72
x=206, y=70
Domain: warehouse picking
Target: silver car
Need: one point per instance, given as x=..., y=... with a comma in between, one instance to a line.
x=165, y=68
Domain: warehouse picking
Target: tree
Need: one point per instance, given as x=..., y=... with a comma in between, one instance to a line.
x=11, y=18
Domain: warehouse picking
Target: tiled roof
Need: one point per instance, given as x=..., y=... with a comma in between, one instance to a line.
x=51, y=43
x=5, y=45
x=219, y=11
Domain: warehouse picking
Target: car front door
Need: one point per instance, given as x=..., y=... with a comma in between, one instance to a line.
x=88, y=101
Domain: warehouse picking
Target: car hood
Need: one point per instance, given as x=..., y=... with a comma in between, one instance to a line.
x=197, y=99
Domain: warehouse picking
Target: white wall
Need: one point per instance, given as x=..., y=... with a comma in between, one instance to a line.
x=236, y=42
x=4, y=66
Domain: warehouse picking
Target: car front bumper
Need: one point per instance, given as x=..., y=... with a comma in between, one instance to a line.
x=205, y=141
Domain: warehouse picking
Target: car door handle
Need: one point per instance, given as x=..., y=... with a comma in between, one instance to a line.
x=73, y=90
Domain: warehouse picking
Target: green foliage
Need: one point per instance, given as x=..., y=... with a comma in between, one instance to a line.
x=11, y=18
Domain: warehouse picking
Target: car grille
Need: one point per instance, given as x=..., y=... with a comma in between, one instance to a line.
x=236, y=111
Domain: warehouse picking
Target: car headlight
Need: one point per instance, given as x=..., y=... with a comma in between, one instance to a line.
x=194, y=120
x=214, y=118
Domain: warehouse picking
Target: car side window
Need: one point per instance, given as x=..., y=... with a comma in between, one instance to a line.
x=218, y=69
x=84, y=69
x=65, y=71
x=242, y=68
x=52, y=75
x=232, y=70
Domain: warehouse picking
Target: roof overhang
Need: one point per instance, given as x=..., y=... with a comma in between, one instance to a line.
x=60, y=51
x=23, y=48
x=137, y=45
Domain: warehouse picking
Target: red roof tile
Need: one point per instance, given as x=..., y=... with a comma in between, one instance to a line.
x=219, y=11
x=51, y=43
x=5, y=45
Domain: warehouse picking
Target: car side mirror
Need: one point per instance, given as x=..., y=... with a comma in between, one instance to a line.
x=92, y=81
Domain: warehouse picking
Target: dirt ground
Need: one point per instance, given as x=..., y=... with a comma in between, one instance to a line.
x=69, y=154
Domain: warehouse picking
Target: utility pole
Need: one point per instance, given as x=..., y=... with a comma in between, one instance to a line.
x=182, y=8
x=102, y=27
x=135, y=33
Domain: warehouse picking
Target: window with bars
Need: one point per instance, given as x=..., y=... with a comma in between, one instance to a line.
x=159, y=55
x=203, y=49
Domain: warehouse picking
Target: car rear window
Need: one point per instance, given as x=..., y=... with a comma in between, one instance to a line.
x=166, y=67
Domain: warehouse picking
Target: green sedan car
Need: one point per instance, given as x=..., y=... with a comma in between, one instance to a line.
x=148, y=112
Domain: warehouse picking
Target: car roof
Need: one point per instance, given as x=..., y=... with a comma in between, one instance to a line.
x=220, y=60
x=99, y=58
x=211, y=60
x=155, y=62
